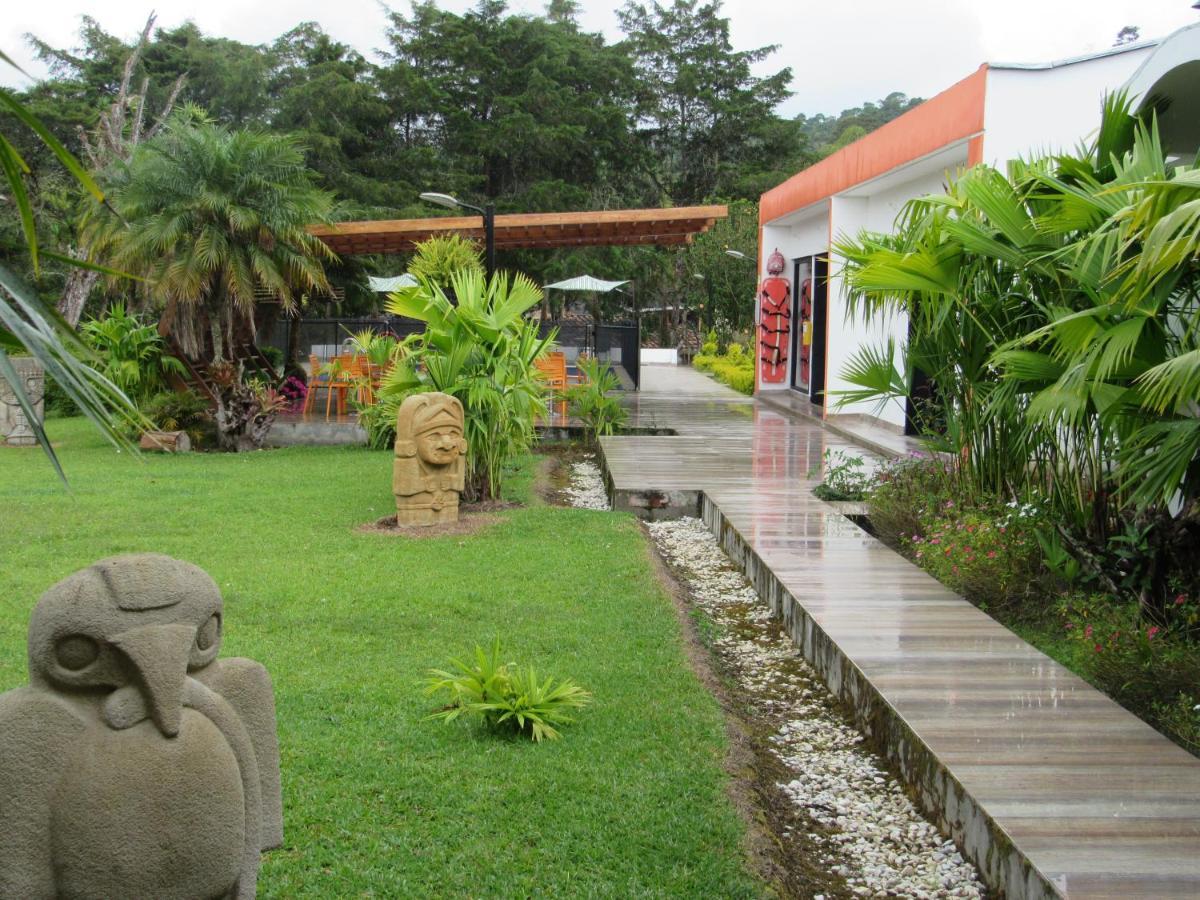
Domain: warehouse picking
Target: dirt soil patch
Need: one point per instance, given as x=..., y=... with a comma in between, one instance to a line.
x=472, y=518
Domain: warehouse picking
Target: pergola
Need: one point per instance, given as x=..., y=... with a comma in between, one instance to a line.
x=660, y=227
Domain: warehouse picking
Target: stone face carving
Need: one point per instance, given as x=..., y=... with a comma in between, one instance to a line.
x=428, y=472
x=14, y=424
x=135, y=763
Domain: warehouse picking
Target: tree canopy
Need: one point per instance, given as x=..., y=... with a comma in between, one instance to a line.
x=529, y=112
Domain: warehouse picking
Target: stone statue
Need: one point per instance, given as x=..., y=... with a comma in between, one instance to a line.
x=15, y=427
x=427, y=476
x=136, y=764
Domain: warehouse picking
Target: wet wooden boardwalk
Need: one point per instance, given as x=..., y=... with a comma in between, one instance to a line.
x=1049, y=786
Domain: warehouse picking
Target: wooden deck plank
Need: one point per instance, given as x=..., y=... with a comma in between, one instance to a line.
x=1093, y=802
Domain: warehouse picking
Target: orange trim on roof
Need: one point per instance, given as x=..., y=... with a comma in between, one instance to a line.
x=953, y=115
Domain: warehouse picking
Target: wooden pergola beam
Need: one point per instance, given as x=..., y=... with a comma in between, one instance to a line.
x=615, y=227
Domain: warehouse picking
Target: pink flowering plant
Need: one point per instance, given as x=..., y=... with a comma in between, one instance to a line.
x=989, y=553
x=295, y=391
x=1151, y=669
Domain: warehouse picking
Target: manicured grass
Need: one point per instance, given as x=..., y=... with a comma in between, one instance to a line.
x=378, y=802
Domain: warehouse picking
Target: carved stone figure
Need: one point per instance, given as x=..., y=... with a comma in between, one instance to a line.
x=15, y=428
x=429, y=469
x=135, y=763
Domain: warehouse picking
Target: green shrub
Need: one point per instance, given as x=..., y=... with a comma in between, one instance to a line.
x=844, y=478
x=739, y=378
x=1151, y=670
x=58, y=404
x=507, y=698
x=988, y=552
x=733, y=368
x=274, y=356
x=901, y=490
x=439, y=257
x=592, y=402
x=708, y=348
x=131, y=355
x=181, y=411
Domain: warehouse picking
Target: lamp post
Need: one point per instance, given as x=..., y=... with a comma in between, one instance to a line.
x=704, y=302
x=488, y=211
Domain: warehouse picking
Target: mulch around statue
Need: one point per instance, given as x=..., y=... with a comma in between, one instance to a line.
x=472, y=518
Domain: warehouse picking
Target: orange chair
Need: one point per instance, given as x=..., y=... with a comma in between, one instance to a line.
x=316, y=381
x=358, y=372
x=553, y=369
x=339, y=382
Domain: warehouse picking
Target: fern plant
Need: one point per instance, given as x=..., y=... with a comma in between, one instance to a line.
x=505, y=697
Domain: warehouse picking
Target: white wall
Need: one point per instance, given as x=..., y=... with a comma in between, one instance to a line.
x=660, y=356
x=1030, y=111
x=874, y=207
x=796, y=236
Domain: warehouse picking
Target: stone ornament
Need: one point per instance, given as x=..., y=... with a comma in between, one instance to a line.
x=136, y=764
x=15, y=428
x=429, y=470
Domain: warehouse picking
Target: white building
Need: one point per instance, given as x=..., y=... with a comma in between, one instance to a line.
x=999, y=112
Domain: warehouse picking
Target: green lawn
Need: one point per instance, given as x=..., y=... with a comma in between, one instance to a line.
x=378, y=802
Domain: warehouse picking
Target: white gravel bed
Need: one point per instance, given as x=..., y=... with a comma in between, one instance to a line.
x=586, y=490
x=875, y=838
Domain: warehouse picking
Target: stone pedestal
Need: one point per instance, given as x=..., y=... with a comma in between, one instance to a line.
x=15, y=429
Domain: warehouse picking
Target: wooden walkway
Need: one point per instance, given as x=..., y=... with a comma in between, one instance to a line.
x=1047, y=785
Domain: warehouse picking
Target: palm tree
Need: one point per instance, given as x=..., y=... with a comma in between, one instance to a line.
x=481, y=349
x=1057, y=312
x=206, y=216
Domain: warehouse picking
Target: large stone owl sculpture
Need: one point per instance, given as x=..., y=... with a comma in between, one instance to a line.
x=136, y=764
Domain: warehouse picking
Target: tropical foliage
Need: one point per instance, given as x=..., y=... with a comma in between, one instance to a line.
x=592, y=401
x=479, y=349
x=208, y=215
x=506, y=696
x=529, y=111
x=1056, y=314
x=132, y=355
x=439, y=257
x=28, y=324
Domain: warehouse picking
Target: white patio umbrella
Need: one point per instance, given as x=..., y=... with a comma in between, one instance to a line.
x=387, y=285
x=586, y=283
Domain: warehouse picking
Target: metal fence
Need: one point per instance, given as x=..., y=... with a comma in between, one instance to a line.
x=617, y=344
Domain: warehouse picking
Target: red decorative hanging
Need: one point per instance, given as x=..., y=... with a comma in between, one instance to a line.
x=774, y=322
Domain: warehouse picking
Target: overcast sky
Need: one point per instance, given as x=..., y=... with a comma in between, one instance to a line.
x=842, y=53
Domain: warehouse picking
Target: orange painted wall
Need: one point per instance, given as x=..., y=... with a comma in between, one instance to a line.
x=954, y=114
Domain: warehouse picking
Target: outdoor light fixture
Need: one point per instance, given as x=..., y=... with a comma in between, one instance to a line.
x=440, y=199
x=489, y=224
x=697, y=275
x=736, y=254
